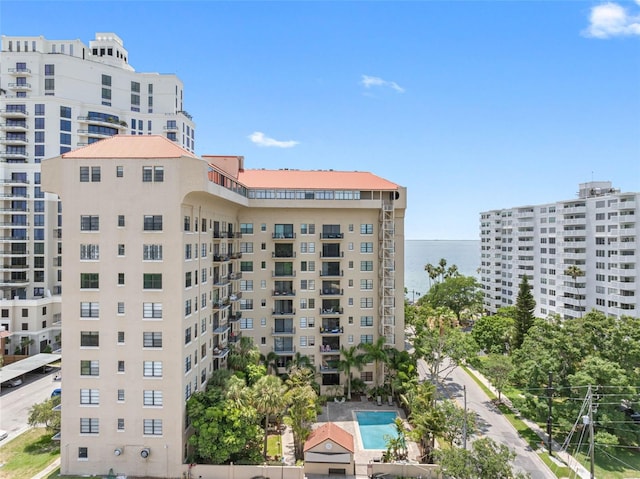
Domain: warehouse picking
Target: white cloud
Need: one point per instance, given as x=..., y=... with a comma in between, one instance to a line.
x=611, y=20
x=260, y=139
x=368, y=82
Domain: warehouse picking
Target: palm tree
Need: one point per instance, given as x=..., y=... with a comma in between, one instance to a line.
x=269, y=399
x=376, y=352
x=401, y=369
x=349, y=360
x=300, y=361
x=271, y=362
x=244, y=352
x=575, y=272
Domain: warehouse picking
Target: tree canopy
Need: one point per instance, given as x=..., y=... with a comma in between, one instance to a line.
x=458, y=293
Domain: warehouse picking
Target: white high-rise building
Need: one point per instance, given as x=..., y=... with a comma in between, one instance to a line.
x=55, y=96
x=595, y=232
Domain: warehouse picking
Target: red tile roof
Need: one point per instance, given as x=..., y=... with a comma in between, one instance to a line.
x=131, y=146
x=329, y=431
x=317, y=180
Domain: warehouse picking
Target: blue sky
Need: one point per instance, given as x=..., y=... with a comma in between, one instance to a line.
x=470, y=105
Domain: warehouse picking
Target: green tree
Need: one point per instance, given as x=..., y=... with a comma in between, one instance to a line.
x=458, y=293
x=525, y=307
x=376, y=352
x=486, y=460
x=441, y=345
x=349, y=359
x=396, y=445
x=493, y=333
x=302, y=413
x=402, y=370
x=453, y=429
x=223, y=430
x=243, y=353
x=43, y=413
x=269, y=399
x=498, y=369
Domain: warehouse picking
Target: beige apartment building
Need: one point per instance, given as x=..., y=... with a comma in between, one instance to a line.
x=170, y=258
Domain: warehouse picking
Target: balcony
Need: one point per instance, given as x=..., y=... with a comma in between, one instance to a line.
x=20, y=86
x=235, y=276
x=19, y=71
x=17, y=141
x=283, y=312
x=283, y=331
x=93, y=134
x=14, y=113
x=331, y=311
x=285, y=349
x=4, y=282
x=331, y=292
x=336, y=254
x=14, y=225
x=235, y=337
x=171, y=128
x=221, y=304
x=331, y=330
x=221, y=329
x=283, y=255
x=283, y=274
x=221, y=258
x=235, y=317
x=99, y=121
x=14, y=126
x=237, y=296
x=327, y=236
x=13, y=155
x=277, y=292
x=220, y=352
x=14, y=267
x=333, y=348
x=626, y=205
x=283, y=236
x=332, y=272
x=10, y=238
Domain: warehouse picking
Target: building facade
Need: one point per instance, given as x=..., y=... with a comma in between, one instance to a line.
x=57, y=95
x=578, y=254
x=170, y=258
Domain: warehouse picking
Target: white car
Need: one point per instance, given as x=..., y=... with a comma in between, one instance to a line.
x=3, y=435
x=12, y=383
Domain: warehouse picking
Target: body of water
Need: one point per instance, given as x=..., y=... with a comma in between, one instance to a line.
x=375, y=426
x=418, y=253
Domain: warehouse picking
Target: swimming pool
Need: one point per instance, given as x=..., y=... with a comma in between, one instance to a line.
x=374, y=426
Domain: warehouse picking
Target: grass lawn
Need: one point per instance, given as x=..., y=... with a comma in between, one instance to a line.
x=274, y=446
x=28, y=454
x=625, y=464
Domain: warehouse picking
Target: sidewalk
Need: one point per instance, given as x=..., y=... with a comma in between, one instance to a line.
x=568, y=459
x=48, y=470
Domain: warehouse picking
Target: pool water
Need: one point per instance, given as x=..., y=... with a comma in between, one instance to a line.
x=374, y=426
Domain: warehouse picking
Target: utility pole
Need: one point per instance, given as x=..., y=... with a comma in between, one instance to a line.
x=550, y=416
x=591, y=441
x=464, y=424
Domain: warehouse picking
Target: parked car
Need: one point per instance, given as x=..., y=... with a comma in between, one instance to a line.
x=56, y=392
x=3, y=434
x=12, y=383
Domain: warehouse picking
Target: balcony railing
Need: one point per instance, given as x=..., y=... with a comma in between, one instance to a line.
x=291, y=254
x=290, y=292
x=330, y=349
x=331, y=330
x=330, y=311
x=284, y=350
x=283, y=331
x=331, y=292
x=282, y=274
x=281, y=312
x=235, y=276
x=325, y=236
x=332, y=273
x=280, y=236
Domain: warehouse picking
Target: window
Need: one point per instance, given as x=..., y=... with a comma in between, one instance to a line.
x=95, y=174
x=187, y=335
x=84, y=174
x=121, y=278
x=366, y=321
x=89, y=252
x=246, y=228
x=152, y=281
x=152, y=174
x=65, y=111
x=90, y=396
x=153, y=222
x=152, y=369
x=89, y=368
x=366, y=265
x=120, y=366
x=246, y=265
x=152, y=427
x=246, y=247
x=106, y=80
x=187, y=279
x=119, y=171
x=89, y=310
x=89, y=338
x=366, y=339
x=120, y=250
x=152, y=398
x=120, y=337
x=120, y=395
x=152, y=252
x=366, y=247
x=187, y=307
x=366, y=284
x=152, y=339
x=89, y=425
x=120, y=424
x=89, y=280
x=89, y=223
x=83, y=453
x=366, y=229
x=366, y=376
x=187, y=364
x=121, y=221
x=246, y=323
x=152, y=310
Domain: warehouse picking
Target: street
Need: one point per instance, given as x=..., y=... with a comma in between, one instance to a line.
x=492, y=423
x=16, y=402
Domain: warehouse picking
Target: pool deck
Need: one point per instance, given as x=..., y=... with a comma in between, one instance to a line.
x=342, y=414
